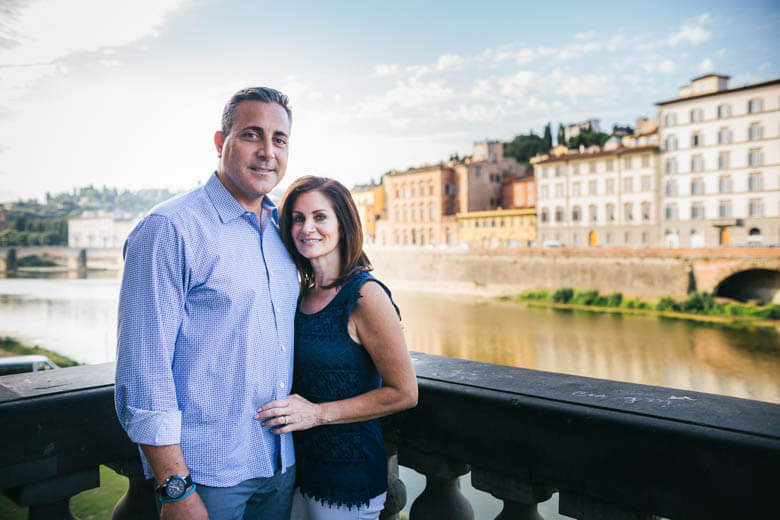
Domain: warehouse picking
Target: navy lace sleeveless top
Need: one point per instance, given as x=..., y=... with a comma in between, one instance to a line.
x=338, y=464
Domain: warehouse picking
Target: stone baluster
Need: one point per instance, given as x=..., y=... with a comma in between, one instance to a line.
x=139, y=502
x=396, y=490
x=50, y=499
x=441, y=497
x=520, y=498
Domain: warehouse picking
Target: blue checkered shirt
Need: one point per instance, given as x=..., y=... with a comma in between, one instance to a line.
x=205, y=334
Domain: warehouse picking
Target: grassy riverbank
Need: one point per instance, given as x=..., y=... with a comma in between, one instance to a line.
x=12, y=347
x=700, y=306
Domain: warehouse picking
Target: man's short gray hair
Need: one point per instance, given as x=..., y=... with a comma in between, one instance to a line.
x=264, y=94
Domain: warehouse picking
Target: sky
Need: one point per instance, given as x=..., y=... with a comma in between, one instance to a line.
x=129, y=94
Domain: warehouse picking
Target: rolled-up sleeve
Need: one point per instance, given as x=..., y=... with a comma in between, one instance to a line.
x=151, y=309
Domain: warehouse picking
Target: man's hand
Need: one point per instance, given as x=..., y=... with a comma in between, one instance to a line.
x=190, y=508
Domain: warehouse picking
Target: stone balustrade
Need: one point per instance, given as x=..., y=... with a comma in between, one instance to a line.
x=611, y=450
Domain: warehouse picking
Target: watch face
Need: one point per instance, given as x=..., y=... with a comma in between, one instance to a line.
x=175, y=487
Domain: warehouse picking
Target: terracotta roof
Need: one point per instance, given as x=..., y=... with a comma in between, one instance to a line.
x=585, y=155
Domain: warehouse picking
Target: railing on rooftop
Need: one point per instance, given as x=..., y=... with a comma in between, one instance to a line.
x=612, y=450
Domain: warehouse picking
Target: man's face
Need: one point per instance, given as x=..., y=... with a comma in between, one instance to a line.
x=253, y=157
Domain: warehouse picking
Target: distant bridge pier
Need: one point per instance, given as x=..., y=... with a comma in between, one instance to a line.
x=8, y=261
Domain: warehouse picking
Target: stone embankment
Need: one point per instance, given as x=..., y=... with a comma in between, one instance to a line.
x=637, y=273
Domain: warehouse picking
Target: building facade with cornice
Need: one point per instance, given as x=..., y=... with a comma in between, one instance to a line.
x=720, y=164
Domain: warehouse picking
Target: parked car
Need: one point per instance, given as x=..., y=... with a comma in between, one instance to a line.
x=21, y=364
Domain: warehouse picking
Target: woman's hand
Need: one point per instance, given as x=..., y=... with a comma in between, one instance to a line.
x=291, y=414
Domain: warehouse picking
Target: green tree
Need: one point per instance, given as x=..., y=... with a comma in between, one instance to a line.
x=547, y=137
x=561, y=138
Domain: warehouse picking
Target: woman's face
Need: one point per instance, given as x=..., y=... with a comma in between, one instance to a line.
x=315, y=227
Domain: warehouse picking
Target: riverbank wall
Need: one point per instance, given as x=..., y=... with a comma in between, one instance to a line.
x=645, y=274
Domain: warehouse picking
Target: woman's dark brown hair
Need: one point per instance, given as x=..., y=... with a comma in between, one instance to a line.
x=353, y=259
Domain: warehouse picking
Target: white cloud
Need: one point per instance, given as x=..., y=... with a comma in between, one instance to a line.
x=449, y=61
x=518, y=83
x=692, y=32
x=383, y=70
x=706, y=65
x=38, y=33
x=589, y=35
x=764, y=66
x=662, y=66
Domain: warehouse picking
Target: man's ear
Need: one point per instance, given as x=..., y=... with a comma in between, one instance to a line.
x=219, y=140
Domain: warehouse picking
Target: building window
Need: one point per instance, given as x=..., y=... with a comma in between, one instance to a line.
x=724, y=209
x=670, y=119
x=575, y=189
x=545, y=215
x=414, y=213
x=756, y=208
x=724, y=136
x=670, y=143
x=559, y=171
x=696, y=115
x=575, y=169
x=724, y=111
x=755, y=157
x=477, y=171
x=697, y=210
x=696, y=140
x=755, y=132
x=670, y=166
x=755, y=105
x=610, y=165
x=592, y=213
x=545, y=172
x=609, y=237
x=628, y=211
x=558, y=214
x=627, y=237
x=645, y=161
x=697, y=186
x=755, y=182
x=725, y=184
x=592, y=167
x=559, y=190
x=645, y=211
x=671, y=188
x=628, y=185
x=671, y=212
x=576, y=214
x=406, y=192
x=723, y=161
x=627, y=163
x=544, y=192
x=592, y=188
x=609, y=186
x=697, y=163
x=610, y=212
x=646, y=183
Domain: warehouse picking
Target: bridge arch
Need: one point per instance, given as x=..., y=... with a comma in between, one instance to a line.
x=751, y=284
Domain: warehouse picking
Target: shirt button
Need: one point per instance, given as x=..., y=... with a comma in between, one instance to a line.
x=281, y=384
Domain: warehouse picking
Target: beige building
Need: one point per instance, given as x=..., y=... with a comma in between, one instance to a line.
x=497, y=228
x=421, y=207
x=720, y=164
x=421, y=203
x=99, y=230
x=599, y=196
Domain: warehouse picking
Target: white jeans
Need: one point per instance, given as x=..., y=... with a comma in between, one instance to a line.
x=307, y=508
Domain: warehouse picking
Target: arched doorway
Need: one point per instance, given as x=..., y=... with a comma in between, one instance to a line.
x=753, y=284
x=593, y=238
x=754, y=238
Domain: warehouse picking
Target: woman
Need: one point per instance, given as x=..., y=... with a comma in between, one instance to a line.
x=351, y=361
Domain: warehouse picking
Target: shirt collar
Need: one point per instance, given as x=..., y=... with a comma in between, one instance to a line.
x=226, y=204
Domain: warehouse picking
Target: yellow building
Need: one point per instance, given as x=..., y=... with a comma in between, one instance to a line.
x=497, y=228
x=370, y=202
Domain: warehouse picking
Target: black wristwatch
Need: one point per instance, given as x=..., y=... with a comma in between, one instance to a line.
x=174, y=488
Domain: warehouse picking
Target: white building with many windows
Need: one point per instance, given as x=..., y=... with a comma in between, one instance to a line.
x=599, y=197
x=720, y=164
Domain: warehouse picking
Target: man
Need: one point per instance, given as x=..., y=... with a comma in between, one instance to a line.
x=205, y=333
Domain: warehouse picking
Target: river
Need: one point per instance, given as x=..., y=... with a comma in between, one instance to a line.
x=77, y=317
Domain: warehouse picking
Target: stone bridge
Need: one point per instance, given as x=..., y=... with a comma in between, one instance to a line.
x=739, y=273
x=68, y=258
